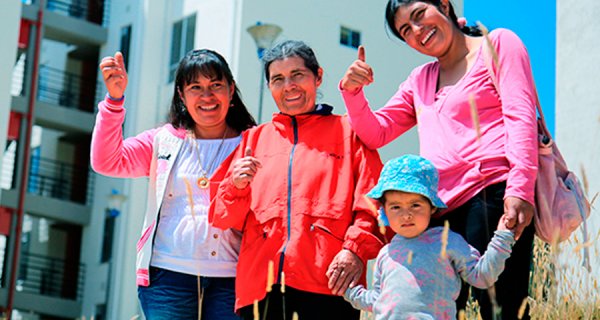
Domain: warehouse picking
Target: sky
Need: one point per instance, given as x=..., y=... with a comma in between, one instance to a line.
x=534, y=21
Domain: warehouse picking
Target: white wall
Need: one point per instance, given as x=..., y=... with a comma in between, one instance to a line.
x=9, y=24
x=578, y=102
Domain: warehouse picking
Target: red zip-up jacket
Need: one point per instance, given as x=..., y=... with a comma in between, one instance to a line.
x=303, y=206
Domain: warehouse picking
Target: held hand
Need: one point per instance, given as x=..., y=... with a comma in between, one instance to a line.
x=344, y=271
x=519, y=214
x=503, y=223
x=114, y=75
x=244, y=169
x=359, y=74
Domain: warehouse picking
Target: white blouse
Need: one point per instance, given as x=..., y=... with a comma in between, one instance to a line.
x=184, y=241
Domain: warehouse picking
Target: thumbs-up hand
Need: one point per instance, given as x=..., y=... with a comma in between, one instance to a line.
x=114, y=75
x=244, y=169
x=359, y=74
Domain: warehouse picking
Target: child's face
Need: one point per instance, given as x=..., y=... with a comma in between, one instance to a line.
x=408, y=213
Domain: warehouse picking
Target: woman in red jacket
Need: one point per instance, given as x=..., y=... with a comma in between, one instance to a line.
x=295, y=188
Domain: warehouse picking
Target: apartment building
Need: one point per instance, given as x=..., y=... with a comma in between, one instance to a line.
x=47, y=187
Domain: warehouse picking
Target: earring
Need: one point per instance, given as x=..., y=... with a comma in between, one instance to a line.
x=231, y=105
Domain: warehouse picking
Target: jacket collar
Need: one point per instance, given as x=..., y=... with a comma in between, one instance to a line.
x=321, y=109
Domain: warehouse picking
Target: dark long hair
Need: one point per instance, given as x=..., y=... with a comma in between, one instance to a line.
x=212, y=65
x=393, y=5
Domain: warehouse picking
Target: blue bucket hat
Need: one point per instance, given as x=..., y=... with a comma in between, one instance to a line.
x=408, y=173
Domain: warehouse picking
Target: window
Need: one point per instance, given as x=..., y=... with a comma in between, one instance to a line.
x=349, y=37
x=108, y=237
x=125, y=44
x=182, y=42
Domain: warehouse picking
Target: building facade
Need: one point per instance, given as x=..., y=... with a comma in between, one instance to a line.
x=47, y=188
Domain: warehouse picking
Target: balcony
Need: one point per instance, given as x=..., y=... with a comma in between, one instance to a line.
x=95, y=11
x=67, y=89
x=92, y=11
x=42, y=275
x=60, y=180
x=59, y=87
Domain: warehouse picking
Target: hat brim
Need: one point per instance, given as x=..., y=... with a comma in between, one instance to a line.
x=378, y=191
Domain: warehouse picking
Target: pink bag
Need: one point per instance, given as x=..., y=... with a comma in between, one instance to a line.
x=560, y=202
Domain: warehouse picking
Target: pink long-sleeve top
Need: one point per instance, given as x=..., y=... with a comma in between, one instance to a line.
x=507, y=147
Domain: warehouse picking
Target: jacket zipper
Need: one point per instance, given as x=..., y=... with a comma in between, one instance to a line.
x=289, y=198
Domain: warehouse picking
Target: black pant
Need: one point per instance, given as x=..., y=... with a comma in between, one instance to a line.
x=308, y=305
x=476, y=221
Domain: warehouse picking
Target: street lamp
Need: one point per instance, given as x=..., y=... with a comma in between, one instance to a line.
x=115, y=201
x=263, y=34
x=112, y=212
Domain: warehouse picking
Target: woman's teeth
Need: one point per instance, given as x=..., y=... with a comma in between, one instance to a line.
x=208, y=108
x=291, y=98
x=428, y=36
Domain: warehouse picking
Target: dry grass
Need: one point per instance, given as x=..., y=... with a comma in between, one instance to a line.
x=561, y=287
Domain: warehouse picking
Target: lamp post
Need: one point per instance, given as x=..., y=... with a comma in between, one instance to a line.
x=263, y=34
x=113, y=210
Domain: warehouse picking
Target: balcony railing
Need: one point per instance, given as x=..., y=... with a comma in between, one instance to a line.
x=53, y=277
x=60, y=180
x=68, y=89
x=95, y=11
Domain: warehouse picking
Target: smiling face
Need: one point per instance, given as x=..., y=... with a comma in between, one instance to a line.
x=425, y=28
x=207, y=101
x=408, y=213
x=293, y=86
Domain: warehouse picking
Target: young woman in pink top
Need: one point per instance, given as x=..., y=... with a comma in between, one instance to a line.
x=487, y=166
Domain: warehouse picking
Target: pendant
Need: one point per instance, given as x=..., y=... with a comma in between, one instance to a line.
x=203, y=182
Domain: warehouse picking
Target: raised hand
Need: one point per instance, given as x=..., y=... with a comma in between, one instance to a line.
x=114, y=75
x=359, y=74
x=244, y=169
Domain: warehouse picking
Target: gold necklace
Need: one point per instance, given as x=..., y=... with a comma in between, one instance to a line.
x=203, y=182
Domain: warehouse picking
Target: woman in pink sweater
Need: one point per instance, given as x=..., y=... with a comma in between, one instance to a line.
x=185, y=268
x=487, y=166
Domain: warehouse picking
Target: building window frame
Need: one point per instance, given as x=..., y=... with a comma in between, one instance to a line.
x=350, y=37
x=125, y=44
x=182, y=41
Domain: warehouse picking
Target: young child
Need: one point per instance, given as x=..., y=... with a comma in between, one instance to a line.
x=414, y=276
